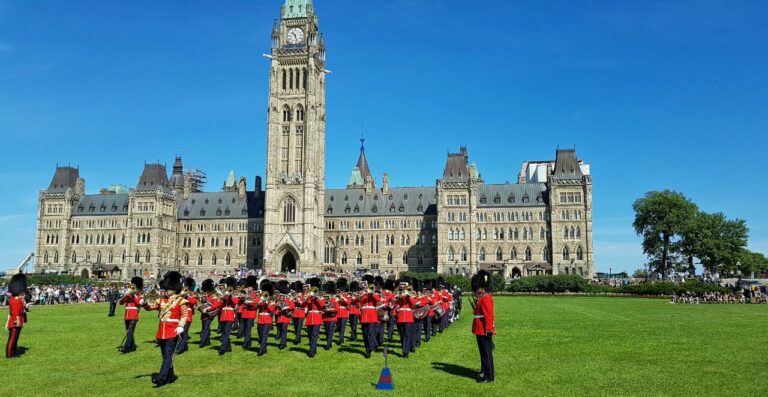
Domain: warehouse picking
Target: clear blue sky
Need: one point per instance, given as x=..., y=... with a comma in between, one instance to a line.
x=654, y=95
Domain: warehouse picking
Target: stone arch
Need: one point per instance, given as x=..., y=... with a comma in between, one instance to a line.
x=84, y=273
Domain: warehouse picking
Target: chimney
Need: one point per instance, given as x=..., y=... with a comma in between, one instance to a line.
x=187, y=186
x=80, y=186
x=257, y=187
x=385, y=183
x=241, y=187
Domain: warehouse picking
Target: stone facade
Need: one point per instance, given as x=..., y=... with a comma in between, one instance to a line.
x=542, y=224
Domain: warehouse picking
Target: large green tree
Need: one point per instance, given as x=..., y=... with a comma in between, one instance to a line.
x=661, y=219
x=752, y=262
x=719, y=242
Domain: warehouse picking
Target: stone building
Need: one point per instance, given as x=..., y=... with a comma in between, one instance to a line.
x=541, y=224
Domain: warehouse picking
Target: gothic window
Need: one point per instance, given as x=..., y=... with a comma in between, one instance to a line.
x=516, y=235
x=136, y=257
x=497, y=199
x=565, y=233
x=481, y=255
x=579, y=254
x=199, y=259
x=328, y=253
x=405, y=258
x=147, y=256
x=566, y=254
x=542, y=234
x=573, y=233
x=450, y=254
x=299, y=113
x=528, y=254
x=284, y=80
x=74, y=257
x=343, y=258
x=186, y=259
x=359, y=259
x=483, y=199
x=461, y=235
x=286, y=113
x=525, y=234
x=545, y=254
x=498, y=254
x=578, y=232
x=389, y=258
x=513, y=254
x=463, y=254
x=299, y=154
x=289, y=210
x=304, y=79
x=290, y=81
x=213, y=259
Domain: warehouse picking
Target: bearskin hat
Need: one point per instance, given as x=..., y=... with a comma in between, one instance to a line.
x=354, y=286
x=297, y=286
x=368, y=278
x=207, y=285
x=314, y=282
x=404, y=280
x=241, y=282
x=482, y=279
x=172, y=281
x=18, y=284
x=266, y=286
x=283, y=287
x=379, y=281
x=251, y=281
x=189, y=283
x=137, y=282
x=330, y=287
x=426, y=285
x=416, y=284
x=440, y=282
x=388, y=285
x=342, y=284
x=230, y=281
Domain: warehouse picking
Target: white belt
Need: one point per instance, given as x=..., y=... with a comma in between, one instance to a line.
x=479, y=316
x=405, y=309
x=265, y=314
x=315, y=311
x=228, y=308
x=368, y=307
x=170, y=320
x=131, y=308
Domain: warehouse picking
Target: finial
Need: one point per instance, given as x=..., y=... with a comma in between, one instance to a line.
x=362, y=138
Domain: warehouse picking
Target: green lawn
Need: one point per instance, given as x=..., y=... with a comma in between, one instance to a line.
x=545, y=346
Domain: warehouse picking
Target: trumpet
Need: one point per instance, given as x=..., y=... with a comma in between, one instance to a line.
x=264, y=294
x=313, y=291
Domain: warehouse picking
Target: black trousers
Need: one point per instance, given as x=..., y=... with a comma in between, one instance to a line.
x=205, y=333
x=246, y=324
x=313, y=332
x=238, y=325
x=434, y=324
x=282, y=329
x=390, y=328
x=486, y=346
x=112, y=306
x=416, y=333
x=353, y=320
x=181, y=346
x=404, y=329
x=329, y=326
x=369, y=334
x=12, y=347
x=263, y=336
x=427, y=328
x=298, y=324
x=227, y=329
x=130, y=328
x=220, y=327
x=167, y=349
x=342, y=325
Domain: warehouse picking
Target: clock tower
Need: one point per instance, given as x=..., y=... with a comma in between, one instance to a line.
x=295, y=177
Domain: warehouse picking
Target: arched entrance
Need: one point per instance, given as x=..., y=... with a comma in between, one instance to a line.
x=288, y=263
x=84, y=273
x=516, y=273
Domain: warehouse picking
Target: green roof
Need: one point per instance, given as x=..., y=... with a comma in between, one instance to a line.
x=295, y=8
x=230, y=179
x=356, y=178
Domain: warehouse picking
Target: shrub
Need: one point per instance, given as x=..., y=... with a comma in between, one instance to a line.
x=548, y=283
x=56, y=279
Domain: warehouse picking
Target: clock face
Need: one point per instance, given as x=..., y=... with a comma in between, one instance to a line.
x=295, y=36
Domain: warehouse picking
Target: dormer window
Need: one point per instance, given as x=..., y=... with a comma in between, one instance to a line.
x=330, y=210
x=420, y=208
x=346, y=209
x=374, y=209
x=202, y=212
x=511, y=199
x=357, y=209
x=497, y=199
x=483, y=199
x=402, y=208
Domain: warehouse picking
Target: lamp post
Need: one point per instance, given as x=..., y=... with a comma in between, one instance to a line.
x=610, y=273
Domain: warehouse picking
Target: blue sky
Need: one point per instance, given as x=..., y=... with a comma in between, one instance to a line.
x=655, y=95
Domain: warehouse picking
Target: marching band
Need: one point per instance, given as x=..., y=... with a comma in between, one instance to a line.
x=416, y=309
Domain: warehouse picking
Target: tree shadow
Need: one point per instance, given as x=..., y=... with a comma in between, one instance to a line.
x=299, y=349
x=456, y=370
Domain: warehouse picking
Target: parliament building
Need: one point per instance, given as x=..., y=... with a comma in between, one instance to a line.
x=542, y=224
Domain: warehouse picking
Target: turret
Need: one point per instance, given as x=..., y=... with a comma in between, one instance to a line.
x=80, y=186
x=385, y=183
x=241, y=187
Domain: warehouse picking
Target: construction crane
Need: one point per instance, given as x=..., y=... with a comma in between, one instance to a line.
x=23, y=265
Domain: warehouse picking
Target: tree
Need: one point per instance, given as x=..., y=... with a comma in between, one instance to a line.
x=661, y=218
x=752, y=262
x=720, y=242
x=640, y=273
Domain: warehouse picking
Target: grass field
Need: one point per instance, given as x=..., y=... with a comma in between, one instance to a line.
x=545, y=346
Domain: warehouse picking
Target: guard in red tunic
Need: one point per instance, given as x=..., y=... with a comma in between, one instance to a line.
x=248, y=316
x=344, y=303
x=369, y=319
x=404, y=304
x=387, y=289
x=227, y=316
x=483, y=323
x=17, y=313
x=209, y=310
x=240, y=290
x=313, y=305
x=266, y=308
x=132, y=301
x=354, y=309
x=191, y=297
x=301, y=291
x=173, y=313
x=426, y=297
x=330, y=313
x=284, y=308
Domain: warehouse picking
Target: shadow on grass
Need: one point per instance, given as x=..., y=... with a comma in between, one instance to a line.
x=299, y=349
x=456, y=370
x=346, y=349
x=151, y=376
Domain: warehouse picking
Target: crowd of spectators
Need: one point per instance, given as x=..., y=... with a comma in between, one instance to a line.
x=754, y=294
x=64, y=294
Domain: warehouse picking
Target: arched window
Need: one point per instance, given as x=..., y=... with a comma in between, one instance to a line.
x=389, y=258
x=463, y=254
x=528, y=254
x=461, y=235
x=290, y=81
x=578, y=232
x=304, y=79
x=199, y=259
x=420, y=259
x=289, y=210
x=516, y=235
x=228, y=260
x=481, y=255
x=450, y=235
x=299, y=113
x=45, y=258
x=136, y=257
x=328, y=253
x=343, y=258
x=124, y=255
x=525, y=234
x=566, y=253
x=213, y=259
x=565, y=233
x=498, y=254
x=579, y=254
x=573, y=233
x=513, y=253
x=186, y=259
x=542, y=234
x=359, y=259
x=147, y=256
x=451, y=254
x=545, y=254
x=284, y=85
x=74, y=257
x=111, y=257
x=286, y=114
x=405, y=258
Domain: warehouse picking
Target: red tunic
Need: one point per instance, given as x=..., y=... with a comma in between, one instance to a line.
x=266, y=310
x=131, y=302
x=354, y=306
x=404, y=307
x=214, y=303
x=173, y=313
x=314, y=307
x=228, y=309
x=191, y=302
x=249, y=306
x=344, y=302
x=368, y=304
x=482, y=322
x=16, y=310
x=298, y=312
x=281, y=317
x=332, y=316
